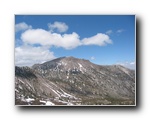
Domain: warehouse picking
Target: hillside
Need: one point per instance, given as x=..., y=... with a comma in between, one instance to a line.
x=73, y=81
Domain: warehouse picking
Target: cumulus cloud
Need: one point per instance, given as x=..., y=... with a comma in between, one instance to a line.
x=44, y=38
x=130, y=65
x=29, y=55
x=67, y=41
x=99, y=39
x=22, y=26
x=58, y=26
x=109, y=32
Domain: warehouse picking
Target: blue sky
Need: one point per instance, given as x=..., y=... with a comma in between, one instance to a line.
x=102, y=39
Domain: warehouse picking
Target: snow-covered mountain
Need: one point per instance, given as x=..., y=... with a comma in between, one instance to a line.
x=72, y=81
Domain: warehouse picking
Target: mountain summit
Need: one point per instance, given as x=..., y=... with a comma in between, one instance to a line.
x=73, y=81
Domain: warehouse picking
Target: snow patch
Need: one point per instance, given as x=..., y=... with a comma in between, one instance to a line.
x=29, y=84
x=69, y=103
x=42, y=101
x=59, y=63
x=64, y=63
x=80, y=65
x=29, y=99
x=49, y=103
x=55, y=92
x=20, y=87
x=48, y=86
x=21, y=81
x=16, y=90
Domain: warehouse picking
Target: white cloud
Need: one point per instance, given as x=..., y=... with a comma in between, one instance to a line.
x=44, y=38
x=109, y=32
x=130, y=65
x=99, y=39
x=67, y=41
x=58, y=26
x=29, y=55
x=37, y=36
x=92, y=58
x=70, y=41
x=22, y=26
x=120, y=30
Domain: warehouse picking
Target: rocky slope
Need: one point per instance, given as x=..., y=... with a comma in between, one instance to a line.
x=72, y=81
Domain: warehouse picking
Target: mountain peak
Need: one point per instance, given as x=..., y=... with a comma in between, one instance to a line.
x=69, y=63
